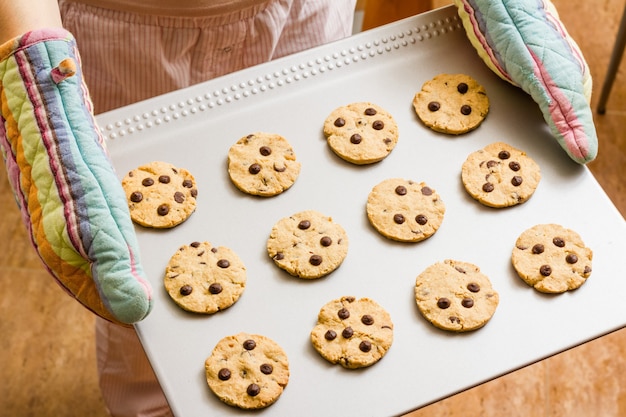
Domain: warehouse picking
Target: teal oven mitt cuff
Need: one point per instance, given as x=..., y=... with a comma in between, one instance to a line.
x=525, y=43
x=71, y=200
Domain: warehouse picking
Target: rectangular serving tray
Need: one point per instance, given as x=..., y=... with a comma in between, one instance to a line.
x=194, y=128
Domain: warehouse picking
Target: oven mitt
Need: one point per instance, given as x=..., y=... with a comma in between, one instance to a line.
x=525, y=43
x=71, y=200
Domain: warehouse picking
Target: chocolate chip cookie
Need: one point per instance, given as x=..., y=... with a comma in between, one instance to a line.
x=353, y=333
x=500, y=175
x=160, y=195
x=308, y=244
x=361, y=133
x=552, y=258
x=202, y=278
x=248, y=371
x=263, y=164
x=405, y=210
x=452, y=103
x=455, y=296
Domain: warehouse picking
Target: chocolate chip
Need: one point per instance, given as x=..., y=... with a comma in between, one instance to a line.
x=254, y=169
x=187, y=183
x=401, y=190
x=265, y=150
x=421, y=219
x=467, y=303
x=339, y=122
x=443, y=303
x=315, y=260
x=253, y=390
x=326, y=241
x=147, y=182
x=545, y=270
x=378, y=125
x=365, y=346
x=571, y=258
x=488, y=187
x=249, y=344
x=538, y=249
x=223, y=263
x=559, y=242
x=466, y=110
x=587, y=270
x=504, y=155
x=434, y=106
x=186, y=290
x=517, y=181
x=194, y=193
x=179, y=197
x=266, y=368
x=491, y=163
x=136, y=197
x=398, y=218
x=215, y=288
x=163, y=209
x=214, y=250
x=347, y=333
x=224, y=374
x=279, y=256
x=473, y=287
x=514, y=166
x=343, y=314
x=367, y=320
x=164, y=179
x=330, y=335
x=194, y=244
x=370, y=111
x=427, y=191
x=462, y=88
x=304, y=224
x=356, y=139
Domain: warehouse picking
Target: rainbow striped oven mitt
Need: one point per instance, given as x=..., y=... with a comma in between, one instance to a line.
x=525, y=43
x=71, y=201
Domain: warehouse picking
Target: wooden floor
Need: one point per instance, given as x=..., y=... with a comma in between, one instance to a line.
x=47, y=358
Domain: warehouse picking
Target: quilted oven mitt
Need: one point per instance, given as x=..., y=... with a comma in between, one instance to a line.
x=71, y=201
x=525, y=43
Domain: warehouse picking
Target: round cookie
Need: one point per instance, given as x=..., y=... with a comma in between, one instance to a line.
x=455, y=296
x=452, y=103
x=160, y=195
x=353, y=333
x=204, y=279
x=248, y=371
x=263, y=164
x=551, y=258
x=500, y=175
x=405, y=210
x=307, y=244
x=361, y=133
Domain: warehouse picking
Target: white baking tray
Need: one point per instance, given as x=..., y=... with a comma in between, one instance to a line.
x=194, y=128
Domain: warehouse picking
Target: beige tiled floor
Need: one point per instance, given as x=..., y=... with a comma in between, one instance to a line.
x=47, y=359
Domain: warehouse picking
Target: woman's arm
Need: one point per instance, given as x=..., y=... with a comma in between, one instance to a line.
x=18, y=17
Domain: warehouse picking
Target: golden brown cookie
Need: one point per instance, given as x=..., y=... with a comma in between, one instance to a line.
x=204, y=279
x=248, y=371
x=551, y=258
x=308, y=244
x=500, y=175
x=455, y=296
x=452, y=103
x=361, y=133
x=353, y=333
x=263, y=164
x=160, y=195
x=405, y=210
